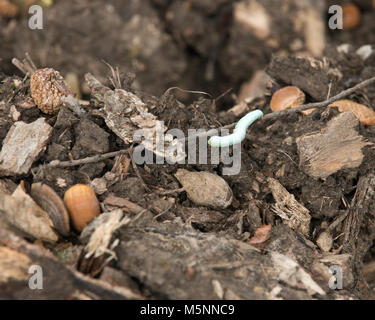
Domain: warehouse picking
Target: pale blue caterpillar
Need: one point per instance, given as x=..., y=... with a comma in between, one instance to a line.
x=239, y=132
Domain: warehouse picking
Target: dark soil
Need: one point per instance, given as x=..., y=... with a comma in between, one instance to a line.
x=194, y=45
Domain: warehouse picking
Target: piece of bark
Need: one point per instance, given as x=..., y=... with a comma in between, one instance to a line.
x=22, y=146
x=294, y=214
x=203, y=219
x=59, y=281
x=100, y=242
x=359, y=224
x=369, y=272
x=175, y=262
x=7, y=186
x=128, y=206
x=102, y=229
x=358, y=227
x=20, y=210
x=337, y=146
x=126, y=114
x=311, y=76
x=290, y=272
x=252, y=89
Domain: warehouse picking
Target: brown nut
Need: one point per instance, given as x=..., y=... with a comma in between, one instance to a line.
x=351, y=16
x=83, y=205
x=205, y=188
x=286, y=98
x=50, y=202
x=47, y=87
x=363, y=113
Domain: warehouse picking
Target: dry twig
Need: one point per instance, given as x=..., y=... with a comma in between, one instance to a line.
x=315, y=105
x=73, y=163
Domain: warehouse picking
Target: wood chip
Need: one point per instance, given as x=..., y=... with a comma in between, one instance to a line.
x=22, y=212
x=104, y=226
x=293, y=274
x=336, y=147
x=294, y=214
x=22, y=146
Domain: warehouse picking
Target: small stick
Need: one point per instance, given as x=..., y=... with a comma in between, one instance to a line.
x=30, y=61
x=98, y=158
x=308, y=106
x=73, y=163
x=167, y=192
x=324, y=103
x=20, y=65
x=26, y=66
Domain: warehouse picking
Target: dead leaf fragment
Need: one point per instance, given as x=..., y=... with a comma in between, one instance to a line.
x=261, y=235
x=363, y=113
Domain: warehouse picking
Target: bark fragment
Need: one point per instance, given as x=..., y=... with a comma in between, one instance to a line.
x=22, y=146
x=335, y=147
x=295, y=215
x=22, y=212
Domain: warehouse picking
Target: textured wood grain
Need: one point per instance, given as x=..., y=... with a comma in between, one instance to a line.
x=335, y=147
x=22, y=146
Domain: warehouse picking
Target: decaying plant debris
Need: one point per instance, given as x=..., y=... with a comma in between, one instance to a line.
x=302, y=202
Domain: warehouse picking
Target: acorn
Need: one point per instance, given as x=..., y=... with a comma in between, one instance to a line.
x=82, y=204
x=351, y=16
x=47, y=88
x=286, y=98
x=46, y=198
